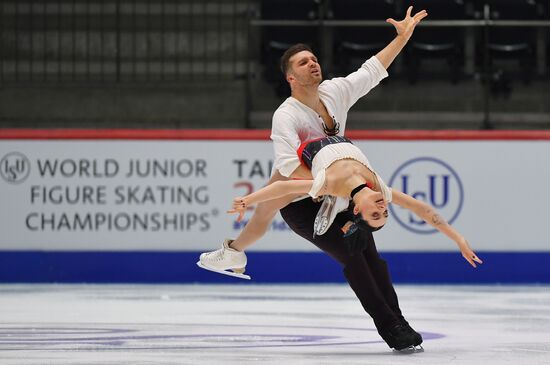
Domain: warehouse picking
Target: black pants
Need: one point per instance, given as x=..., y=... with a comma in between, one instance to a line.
x=364, y=269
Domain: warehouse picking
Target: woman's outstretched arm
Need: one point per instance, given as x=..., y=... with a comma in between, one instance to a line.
x=273, y=191
x=430, y=215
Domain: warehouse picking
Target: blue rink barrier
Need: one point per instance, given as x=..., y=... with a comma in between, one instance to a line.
x=265, y=267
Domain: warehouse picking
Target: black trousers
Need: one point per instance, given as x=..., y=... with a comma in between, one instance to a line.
x=364, y=269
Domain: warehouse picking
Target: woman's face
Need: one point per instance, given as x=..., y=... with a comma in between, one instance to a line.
x=374, y=210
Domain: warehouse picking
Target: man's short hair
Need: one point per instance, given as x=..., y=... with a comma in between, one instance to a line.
x=285, y=58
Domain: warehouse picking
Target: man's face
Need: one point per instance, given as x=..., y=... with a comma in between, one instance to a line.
x=304, y=69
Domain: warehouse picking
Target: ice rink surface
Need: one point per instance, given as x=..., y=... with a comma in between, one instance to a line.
x=266, y=324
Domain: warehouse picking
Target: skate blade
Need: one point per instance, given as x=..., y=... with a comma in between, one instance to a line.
x=320, y=226
x=223, y=272
x=409, y=350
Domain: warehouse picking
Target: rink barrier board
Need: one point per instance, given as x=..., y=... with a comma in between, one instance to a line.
x=266, y=267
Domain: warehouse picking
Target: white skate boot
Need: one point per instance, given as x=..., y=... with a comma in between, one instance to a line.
x=327, y=212
x=225, y=261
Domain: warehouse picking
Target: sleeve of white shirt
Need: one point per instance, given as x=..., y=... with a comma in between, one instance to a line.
x=286, y=141
x=386, y=191
x=360, y=82
x=318, y=183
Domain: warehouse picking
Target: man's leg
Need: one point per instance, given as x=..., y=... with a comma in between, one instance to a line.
x=389, y=322
x=300, y=217
x=381, y=274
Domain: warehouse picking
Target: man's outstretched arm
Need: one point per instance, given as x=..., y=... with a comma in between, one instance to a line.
x=405, y=29
x=359, y=83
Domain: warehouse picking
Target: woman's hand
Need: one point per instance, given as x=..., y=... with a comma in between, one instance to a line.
x=239, y=206
x=405, y=27
x=467, y=252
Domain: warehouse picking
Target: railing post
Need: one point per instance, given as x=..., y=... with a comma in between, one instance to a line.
x=325, y=36
x=487, y=70
x=118, y=40
x=248, y=69
x=1, y=40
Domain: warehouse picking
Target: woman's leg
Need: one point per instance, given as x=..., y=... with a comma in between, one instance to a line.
x=262, y=217
x=259, y=222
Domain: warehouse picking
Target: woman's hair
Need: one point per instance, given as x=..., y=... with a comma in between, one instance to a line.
x=360, y=223
x=365, y=226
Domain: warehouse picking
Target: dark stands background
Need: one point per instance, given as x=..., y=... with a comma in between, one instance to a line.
x=472, y=64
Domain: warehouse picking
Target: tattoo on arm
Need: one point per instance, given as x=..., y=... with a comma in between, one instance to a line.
x=437, y=220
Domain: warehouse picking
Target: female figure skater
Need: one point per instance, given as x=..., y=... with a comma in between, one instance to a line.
x=339, y=168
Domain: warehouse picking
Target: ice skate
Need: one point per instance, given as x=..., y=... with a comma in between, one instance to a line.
x=327, y=212
x=409, y=350
x=226, y=261
x=417, y=337
x=402, y=339
x=416, y=345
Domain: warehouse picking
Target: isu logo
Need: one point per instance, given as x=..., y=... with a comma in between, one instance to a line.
x=14, y=168
x=430, y=180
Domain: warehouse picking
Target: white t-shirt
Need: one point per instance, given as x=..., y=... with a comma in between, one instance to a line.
x=294, y=122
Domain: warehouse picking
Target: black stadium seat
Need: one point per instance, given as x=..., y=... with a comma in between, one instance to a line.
x=437, y=43
x=276, y=39
x=352, y=45
x=514, y=43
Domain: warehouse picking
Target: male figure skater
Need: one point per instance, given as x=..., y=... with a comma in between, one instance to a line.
x=316, y=109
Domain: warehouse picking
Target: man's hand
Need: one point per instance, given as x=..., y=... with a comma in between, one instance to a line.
x=405, y=27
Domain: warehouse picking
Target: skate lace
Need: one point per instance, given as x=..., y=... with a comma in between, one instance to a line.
x=216, y=255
